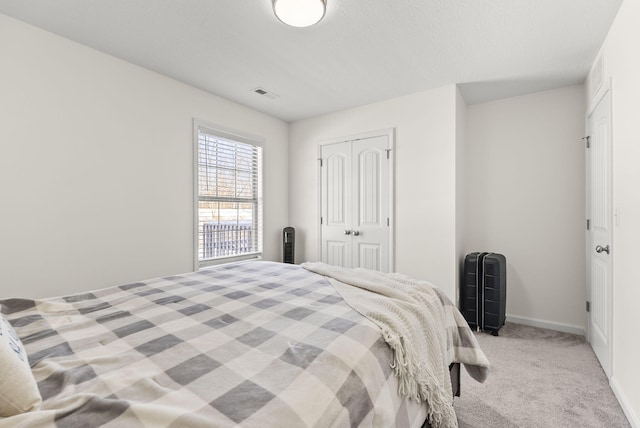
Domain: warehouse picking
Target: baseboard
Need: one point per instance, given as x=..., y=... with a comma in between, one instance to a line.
x=624, y=403
x=566, y=328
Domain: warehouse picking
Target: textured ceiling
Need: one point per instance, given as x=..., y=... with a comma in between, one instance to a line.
x=361, y=52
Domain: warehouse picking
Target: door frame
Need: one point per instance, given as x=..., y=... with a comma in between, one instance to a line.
x=390, y=134
x=605, y=88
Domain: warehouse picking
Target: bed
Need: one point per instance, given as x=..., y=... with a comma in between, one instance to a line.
x=252, y=344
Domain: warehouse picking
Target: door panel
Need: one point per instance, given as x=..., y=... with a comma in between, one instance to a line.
x=370, y=256
x=599, y=236
x=337, y=201
x=369, y=165
x=337, y=254
x=599, y=297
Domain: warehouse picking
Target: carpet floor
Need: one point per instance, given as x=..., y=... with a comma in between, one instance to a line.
x=539, y=378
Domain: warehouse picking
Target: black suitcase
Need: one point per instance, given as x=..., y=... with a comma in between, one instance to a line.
x=483, y=294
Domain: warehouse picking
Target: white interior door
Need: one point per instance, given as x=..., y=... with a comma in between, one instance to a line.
x=336, y=204
x=370, y=233
x=356, y=203
x=599, y=235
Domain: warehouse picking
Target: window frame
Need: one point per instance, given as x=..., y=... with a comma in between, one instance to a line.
x=240, y=137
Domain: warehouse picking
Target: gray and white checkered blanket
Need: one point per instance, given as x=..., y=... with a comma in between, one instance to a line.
x=423, y=328
x=256, y=344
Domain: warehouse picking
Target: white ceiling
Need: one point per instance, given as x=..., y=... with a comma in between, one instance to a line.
x=361, y=52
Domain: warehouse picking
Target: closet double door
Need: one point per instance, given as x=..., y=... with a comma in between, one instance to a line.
x=356, y=184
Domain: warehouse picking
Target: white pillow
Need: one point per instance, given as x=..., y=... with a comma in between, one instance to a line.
x=18, y=390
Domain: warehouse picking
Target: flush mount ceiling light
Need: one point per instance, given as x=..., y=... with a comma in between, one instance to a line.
x=299, y=13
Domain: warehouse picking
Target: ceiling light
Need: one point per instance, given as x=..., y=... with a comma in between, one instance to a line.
x=299, y=13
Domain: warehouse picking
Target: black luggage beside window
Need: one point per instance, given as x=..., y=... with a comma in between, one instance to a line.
x=483, y=294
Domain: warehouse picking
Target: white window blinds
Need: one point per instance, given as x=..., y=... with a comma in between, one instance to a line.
x=229, y=202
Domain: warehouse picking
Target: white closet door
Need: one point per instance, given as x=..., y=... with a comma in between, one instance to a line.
x=355, y=203
x=336, y=204
x=370, y=204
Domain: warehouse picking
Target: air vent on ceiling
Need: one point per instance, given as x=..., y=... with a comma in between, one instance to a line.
x=265, y=93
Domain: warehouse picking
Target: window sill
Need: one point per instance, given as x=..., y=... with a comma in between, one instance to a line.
x=230, y=259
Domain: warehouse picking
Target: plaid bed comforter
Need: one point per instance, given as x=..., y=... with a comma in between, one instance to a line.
x=256, y=344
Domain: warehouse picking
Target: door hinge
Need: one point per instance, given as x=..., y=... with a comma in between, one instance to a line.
x=387, y=221
x=320, y=159
x=588, y=224
x=387, y=150
x=588, y=140
x=588, y=306
x=320, y=220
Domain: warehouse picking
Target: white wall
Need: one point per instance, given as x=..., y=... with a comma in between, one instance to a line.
x=461, y=187
x=622, y=65
x=525, y=184
x=96, y=167
x=425, y=179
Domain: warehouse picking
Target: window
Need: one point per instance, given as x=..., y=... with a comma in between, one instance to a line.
x=229, y=195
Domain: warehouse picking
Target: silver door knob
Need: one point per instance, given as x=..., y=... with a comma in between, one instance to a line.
x=347, y=232
x=356, y=232
x=601, y=249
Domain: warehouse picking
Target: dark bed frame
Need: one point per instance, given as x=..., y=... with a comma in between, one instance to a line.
x=454, y=372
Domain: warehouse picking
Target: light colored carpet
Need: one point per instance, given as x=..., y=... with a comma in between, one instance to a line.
x=539, y=378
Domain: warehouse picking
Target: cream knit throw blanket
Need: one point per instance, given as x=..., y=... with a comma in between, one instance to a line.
x=411, y=318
